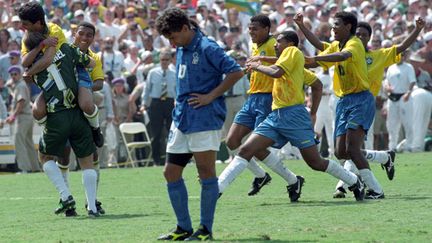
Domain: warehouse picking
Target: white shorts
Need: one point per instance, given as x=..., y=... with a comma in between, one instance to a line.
x=180, y=143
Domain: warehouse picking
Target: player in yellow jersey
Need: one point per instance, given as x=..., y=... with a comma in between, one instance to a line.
x=356, y=108
x=256, y=109
x=376, y=61
x=289, y=120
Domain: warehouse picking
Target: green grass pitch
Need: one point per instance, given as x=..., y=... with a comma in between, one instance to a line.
x=138, y=209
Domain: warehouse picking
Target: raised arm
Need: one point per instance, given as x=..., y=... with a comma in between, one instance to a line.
x=420, y=23
x=311, y=37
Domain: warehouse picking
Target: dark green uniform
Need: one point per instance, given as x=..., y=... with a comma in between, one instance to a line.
x=65, y=120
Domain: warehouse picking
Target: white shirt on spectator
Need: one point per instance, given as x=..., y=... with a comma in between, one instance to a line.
x=400, y=77
x=113, y=62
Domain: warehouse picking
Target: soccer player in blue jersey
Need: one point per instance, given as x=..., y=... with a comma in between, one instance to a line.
x=198, y=117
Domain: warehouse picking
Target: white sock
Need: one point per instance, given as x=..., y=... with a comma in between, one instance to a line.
x=339, y=172
x=370, y=180
x=237, y=166
x=256, y=169
x=376, y=156
x=53, y=172
x=96, y=166
x=64, y=169
x=93, y=119
x=349, y=166
x=275, y=164
x=89, y=181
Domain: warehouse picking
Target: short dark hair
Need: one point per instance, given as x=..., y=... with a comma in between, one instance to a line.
x=262, y=20
x=32, y=39
x=290, y=36
x=33, y=12
x=348, y=18
x=87, y=25
x=172, y=20
x=365, y=26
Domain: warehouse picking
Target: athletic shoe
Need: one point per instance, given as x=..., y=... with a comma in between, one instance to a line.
x=258, y=183
x=178, y=234
x=98, y=138
x=92, y=214
x=99, y=208
x=389, y=166
x=200, y=235
x=358, y=189
x=294, y=190
x=370, y=194
x=65, y=205
x=71, y=212
x=339, y=193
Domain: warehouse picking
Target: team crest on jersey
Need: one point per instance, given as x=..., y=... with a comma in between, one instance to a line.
x=262, y=53
x=195, y=58
x=369, y=60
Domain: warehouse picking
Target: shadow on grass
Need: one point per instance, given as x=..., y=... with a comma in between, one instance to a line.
x=263, y=239
x=317, y=203
x=116, y=216
x=409, y=198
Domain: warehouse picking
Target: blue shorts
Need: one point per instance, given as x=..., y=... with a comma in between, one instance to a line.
x=289, y=124
x=255, y=110
x=353, y=111
x=84, y=79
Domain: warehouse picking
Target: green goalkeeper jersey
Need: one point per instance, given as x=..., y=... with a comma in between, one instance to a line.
x=61, y=91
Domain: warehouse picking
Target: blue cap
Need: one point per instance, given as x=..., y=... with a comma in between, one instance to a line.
x=14, y=53
x=14, y=68
x=118, y=81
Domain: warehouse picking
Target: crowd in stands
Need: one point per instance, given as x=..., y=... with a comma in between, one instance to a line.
x=134, y=54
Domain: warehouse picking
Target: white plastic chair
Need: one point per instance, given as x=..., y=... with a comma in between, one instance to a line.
x=133, y=128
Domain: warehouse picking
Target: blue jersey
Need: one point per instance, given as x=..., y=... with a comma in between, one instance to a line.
x=200, y=67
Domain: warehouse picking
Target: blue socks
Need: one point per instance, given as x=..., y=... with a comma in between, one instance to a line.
x=179, y=200
x=209, y=197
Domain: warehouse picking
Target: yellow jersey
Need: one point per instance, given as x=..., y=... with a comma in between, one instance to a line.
x=377, y=61
x=259, y=82
x=288, y=89
x=350, y=75
x=96, y=73
x=53, y=31
x=309, y=77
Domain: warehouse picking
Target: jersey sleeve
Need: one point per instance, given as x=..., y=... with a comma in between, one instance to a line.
x=390, y=56
x=218, y=58
x=97, y=72
x=309, y=77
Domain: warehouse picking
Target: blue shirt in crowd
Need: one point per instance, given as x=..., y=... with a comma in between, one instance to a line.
x=200, y=67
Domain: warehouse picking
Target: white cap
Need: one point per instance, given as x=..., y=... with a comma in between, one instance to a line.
x=394, y=12
x=416, y=58
x=412, y=1
x=364, y=5
x=145, y=55
x=428, y=36
x=78, y=13
x=15, y=18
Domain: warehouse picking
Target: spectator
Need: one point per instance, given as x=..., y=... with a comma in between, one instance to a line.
x=26, y=156
x=113, y=61
x=15, y=30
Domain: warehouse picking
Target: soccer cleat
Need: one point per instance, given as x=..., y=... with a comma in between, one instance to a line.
x=99, y=208
x=200, y=235
x=178, y=234
x=71, y=212
x=370, y=194
x=258, y=183
x=98, y=138
x=389, y=166
x=358, y=189
x=294, y=190
x=65, y=205
x=339, y=193
x=92, y=214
